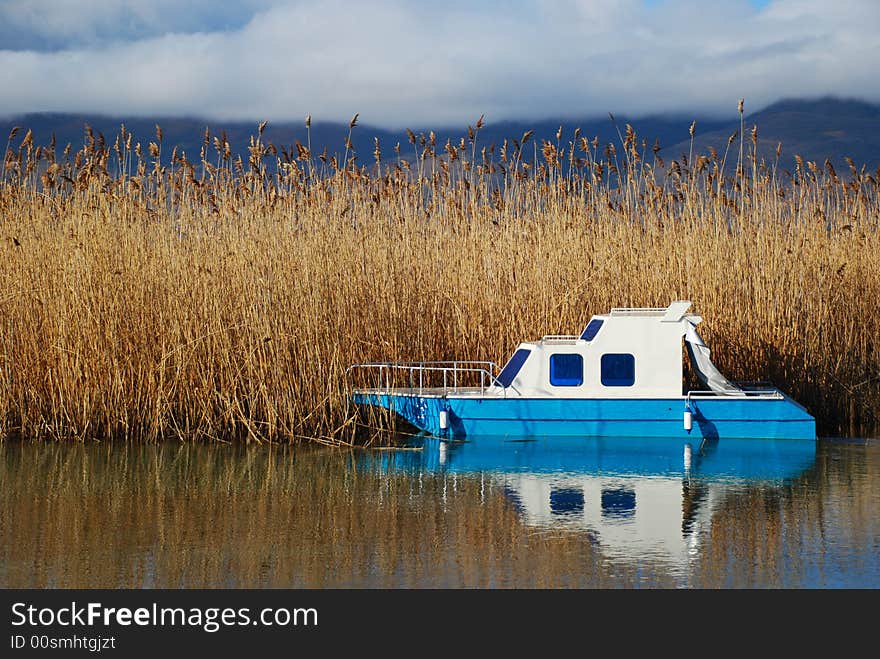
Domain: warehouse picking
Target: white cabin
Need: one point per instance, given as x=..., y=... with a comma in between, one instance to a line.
x=627, y=353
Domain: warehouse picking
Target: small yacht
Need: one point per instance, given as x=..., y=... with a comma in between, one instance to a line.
x=621, y=377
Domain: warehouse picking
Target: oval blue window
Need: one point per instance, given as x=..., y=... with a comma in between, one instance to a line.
x=509, y=372
x=618, y=370
x=566, y=370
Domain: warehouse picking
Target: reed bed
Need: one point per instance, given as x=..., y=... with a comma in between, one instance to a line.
x=146, y=293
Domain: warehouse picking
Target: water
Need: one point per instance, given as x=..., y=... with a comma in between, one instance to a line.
x=591, y=513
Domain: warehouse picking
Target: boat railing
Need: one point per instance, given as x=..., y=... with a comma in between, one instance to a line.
x=560, y=338
x=637, y=311
x=746, y=390
x=425, y=377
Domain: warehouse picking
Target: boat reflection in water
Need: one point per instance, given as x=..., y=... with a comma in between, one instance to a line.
x=636, y=499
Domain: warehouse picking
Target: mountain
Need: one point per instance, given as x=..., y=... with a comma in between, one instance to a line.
x=817, y=129
x=827, y=128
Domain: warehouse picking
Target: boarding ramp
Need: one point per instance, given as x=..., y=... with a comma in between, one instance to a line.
x=706, y=371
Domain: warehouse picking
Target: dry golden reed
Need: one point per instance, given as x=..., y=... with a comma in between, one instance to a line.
x=145, y=295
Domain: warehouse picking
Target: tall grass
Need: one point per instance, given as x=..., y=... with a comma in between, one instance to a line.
x=145, y=294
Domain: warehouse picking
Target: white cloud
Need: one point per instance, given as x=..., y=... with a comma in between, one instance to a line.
x=58, y=24
x=400, y=63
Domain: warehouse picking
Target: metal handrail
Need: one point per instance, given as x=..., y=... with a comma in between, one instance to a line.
x=487, y=371
x=560, y=338
x=764, y=392
x=637, y=311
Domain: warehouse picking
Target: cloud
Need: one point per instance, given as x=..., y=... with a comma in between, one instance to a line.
x=402, y=63
x=51, y=25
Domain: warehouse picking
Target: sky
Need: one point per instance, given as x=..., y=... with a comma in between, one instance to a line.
x=419, y=62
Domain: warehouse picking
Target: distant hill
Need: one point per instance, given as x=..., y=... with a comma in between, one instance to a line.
x=825, y=128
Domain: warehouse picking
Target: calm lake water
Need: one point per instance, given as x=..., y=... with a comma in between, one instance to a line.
x=591, y=513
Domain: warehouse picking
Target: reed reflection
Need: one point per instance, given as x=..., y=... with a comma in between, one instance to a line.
x=525, y=515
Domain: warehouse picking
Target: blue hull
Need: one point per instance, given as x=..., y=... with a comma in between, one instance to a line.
x=520, y=418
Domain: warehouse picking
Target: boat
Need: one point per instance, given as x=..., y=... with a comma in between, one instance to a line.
x=622, y=376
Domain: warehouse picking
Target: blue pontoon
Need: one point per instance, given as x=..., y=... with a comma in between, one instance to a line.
x=621, y=377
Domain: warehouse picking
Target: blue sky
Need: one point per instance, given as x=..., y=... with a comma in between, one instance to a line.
x=405, y=63
x=757, y=4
